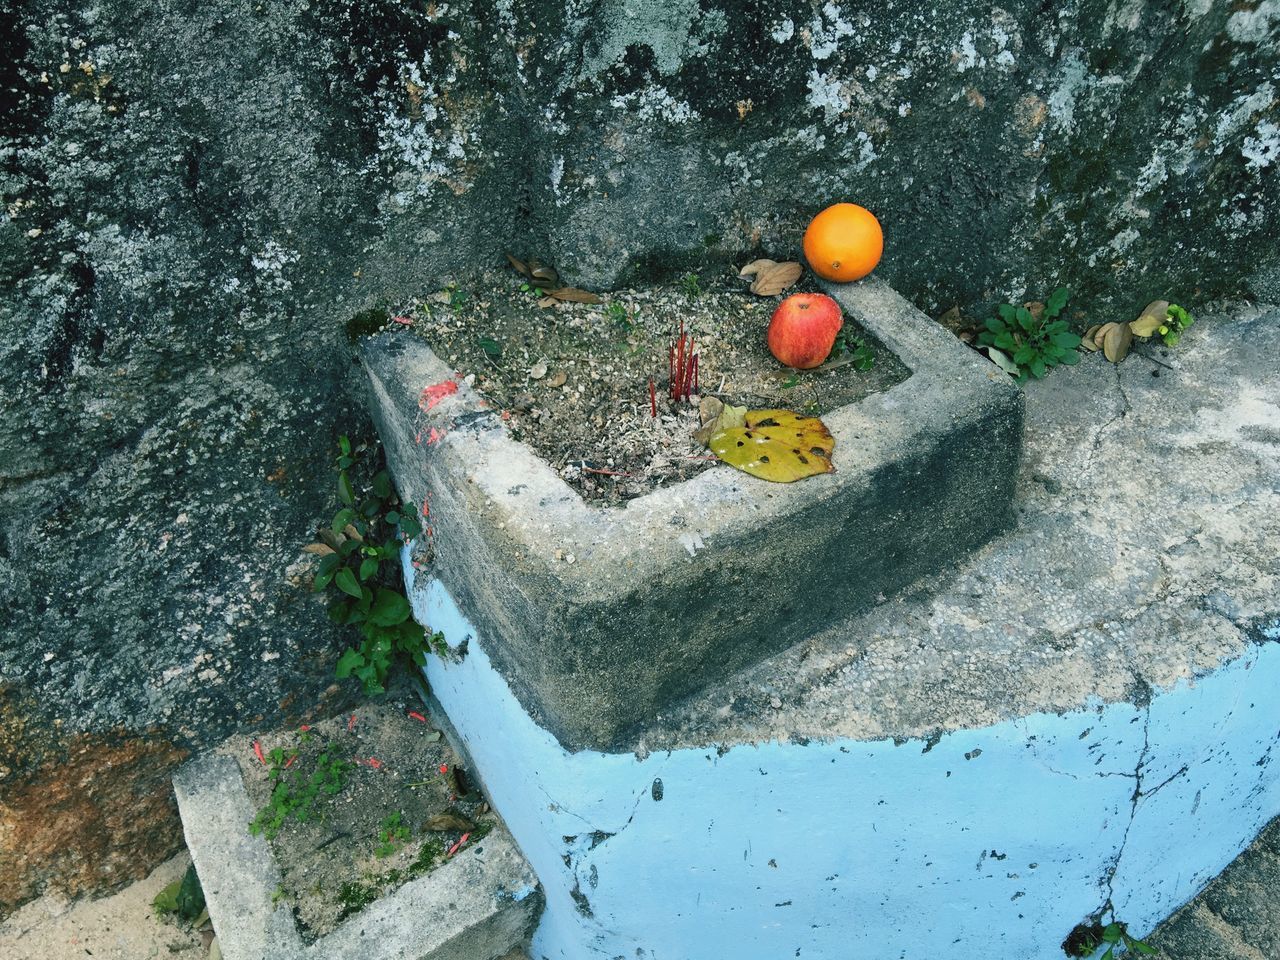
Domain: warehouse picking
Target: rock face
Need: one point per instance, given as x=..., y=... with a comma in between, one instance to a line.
x=197, y=196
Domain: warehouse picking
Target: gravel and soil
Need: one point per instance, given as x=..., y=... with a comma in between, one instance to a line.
x=404, y=806
x=573, y=379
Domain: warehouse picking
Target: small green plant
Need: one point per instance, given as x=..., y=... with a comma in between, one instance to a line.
x=618, y=315
x=1027, y=345
x=392, y=833
x=1086, y=939
x=457, y=298
x=354, y=896
x=1177, y=320
x=295, y=792
x=860, y=355
x=492, y=348
x=691, y=284
x=360, y=565
x=183, y=898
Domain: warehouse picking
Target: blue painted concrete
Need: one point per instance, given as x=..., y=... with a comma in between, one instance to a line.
x=993, y=842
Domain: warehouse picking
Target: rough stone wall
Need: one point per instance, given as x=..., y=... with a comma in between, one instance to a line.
x=1129, y=148
x=197, y=195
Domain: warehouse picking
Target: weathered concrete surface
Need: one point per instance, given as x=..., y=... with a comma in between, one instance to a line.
x=196, y=196
x=1085, y=703
x=478, y=906
x=712, y=574
x=1237, y=917
x=1149, y=510
x=123, y=926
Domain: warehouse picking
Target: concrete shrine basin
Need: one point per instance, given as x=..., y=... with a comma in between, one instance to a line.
x=600, y=618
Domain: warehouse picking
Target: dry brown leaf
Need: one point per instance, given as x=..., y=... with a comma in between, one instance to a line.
x=319, y=549
x=1087, y=340
x=773, y=280
x=1115, y=345
x=709, y=410
x=442, y=822
x=522, y=268
x=574, y=295
x=352, y=533
x=1100, y=334
x=952, y=320
x=545, y=302
x=1035, y=308
x=754, y=267
x=557, y=379
x=543, y=275
x=1152, y=317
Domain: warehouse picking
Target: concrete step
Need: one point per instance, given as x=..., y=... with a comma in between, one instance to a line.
x=1237, y=916
x=479, y=904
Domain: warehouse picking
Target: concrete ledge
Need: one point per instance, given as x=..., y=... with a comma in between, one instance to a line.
x=681, y=586
x=1079, y=716
x=477, y=906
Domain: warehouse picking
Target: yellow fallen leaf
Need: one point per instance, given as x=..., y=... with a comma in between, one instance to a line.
x=776, y=445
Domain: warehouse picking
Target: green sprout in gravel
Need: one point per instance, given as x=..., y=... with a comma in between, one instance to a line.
x=691, y=284
x=618, y=315
x=391, y=835
x=296, y=792
x=856, y=349
x=1027, y=344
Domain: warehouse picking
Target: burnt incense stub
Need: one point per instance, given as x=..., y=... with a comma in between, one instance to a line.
x=601, y=618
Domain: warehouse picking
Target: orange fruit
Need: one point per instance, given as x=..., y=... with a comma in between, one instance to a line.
x=843, y=243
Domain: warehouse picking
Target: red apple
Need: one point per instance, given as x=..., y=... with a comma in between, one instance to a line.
x=803, y=329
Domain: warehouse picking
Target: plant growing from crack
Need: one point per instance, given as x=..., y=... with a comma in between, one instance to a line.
x=360, y=565
x=1030, y=340
x=1088, y=938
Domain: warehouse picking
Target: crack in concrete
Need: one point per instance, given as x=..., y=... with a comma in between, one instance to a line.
x=1167, y=780
x=1108, y=880
x=1125, y=410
